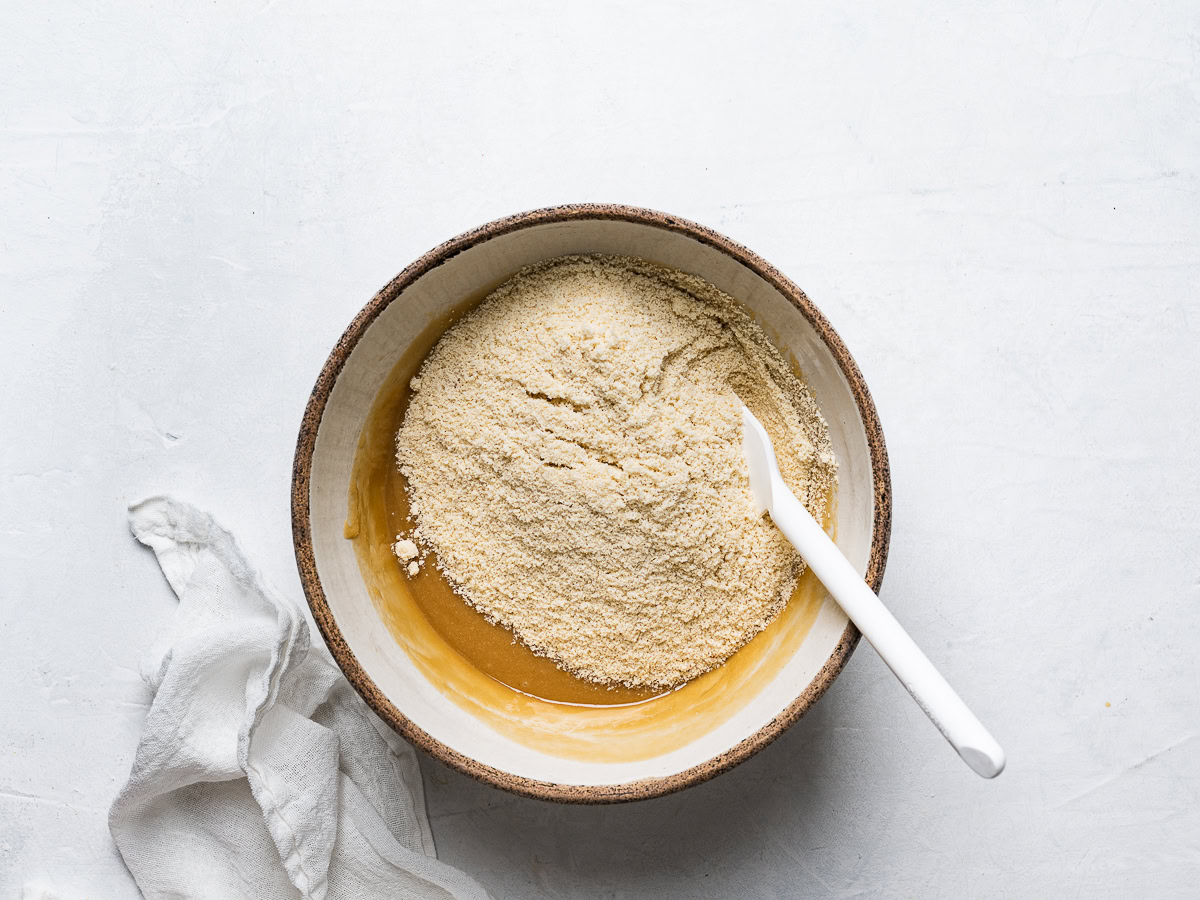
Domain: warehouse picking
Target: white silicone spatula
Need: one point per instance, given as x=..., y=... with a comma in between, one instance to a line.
x=939, y=701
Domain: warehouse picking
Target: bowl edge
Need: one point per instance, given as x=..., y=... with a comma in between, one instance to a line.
x=362, y=682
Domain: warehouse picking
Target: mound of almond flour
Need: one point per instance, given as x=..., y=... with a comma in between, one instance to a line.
x=574, y=459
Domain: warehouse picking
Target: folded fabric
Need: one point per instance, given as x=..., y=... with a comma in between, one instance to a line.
x=260, y=772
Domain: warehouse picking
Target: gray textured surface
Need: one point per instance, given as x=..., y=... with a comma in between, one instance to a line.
x=998, y=209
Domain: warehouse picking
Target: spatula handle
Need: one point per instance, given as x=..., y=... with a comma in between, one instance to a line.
x=933, y=694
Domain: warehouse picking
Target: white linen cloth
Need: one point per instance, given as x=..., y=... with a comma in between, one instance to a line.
x=260, y=772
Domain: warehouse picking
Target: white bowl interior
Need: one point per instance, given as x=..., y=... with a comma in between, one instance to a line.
x=428, y=299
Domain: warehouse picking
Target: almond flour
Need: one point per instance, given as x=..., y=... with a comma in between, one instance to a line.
x=574, y=459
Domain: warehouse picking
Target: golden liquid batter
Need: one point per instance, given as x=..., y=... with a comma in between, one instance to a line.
x=481, y=667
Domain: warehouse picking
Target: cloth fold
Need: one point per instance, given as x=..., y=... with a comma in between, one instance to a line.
x=260, y=772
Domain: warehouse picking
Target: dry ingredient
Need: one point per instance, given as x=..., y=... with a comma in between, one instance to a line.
x=405, y=548
x=407, y=552
x=573, y=454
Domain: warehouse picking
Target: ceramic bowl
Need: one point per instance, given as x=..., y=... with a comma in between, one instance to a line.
x=435, y=698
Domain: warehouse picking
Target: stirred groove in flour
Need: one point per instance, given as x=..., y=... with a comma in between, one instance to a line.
x=573, y=453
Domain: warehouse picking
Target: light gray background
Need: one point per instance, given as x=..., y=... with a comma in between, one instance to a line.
x=997, y=208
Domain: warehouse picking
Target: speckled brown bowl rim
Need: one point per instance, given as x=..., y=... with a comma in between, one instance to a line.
x=302, y=531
